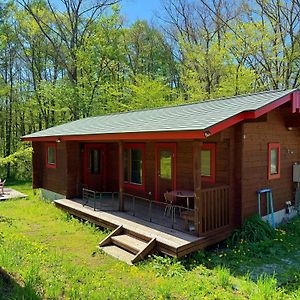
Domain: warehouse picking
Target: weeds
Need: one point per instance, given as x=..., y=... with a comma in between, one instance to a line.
x=166, y=266
x=53, y=256
x=253, y=230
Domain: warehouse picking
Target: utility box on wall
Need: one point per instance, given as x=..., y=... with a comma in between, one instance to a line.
x=296, y=173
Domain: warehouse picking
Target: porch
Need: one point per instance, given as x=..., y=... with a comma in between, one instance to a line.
x=140, y=174
x=168, y=240
x=214, y=209
x=147, y=224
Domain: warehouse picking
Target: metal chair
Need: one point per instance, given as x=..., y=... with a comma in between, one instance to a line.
x=169, y=209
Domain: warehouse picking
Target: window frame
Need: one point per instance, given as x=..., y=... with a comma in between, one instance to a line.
x=212, y=148
x=130, y=184
x=48, y=165
x=272, y=146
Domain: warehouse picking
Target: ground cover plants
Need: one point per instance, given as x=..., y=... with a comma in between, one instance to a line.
x=47, y=254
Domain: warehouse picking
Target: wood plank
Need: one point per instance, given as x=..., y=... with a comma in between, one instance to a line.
x=129, y=243
x=119, y=253
x=144, y=252
x=108, y=239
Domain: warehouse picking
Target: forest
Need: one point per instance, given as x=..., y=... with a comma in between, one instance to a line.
x=69, y=59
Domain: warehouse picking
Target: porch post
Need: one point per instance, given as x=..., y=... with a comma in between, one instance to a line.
x=121, y=177
x=197, y=185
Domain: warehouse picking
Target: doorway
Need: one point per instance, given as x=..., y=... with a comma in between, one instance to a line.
x=94, y=167
x=165, y=169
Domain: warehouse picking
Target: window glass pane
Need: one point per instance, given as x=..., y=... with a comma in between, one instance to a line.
x=136, y=166
x=94, y=161
x=205, y=163
x=51, y=155
x=274, y=161
x=126, y=162
x=165, y=164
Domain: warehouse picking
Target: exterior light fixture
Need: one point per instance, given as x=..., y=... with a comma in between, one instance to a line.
x=207, y=133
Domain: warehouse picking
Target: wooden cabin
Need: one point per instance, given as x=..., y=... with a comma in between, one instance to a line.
x=223, y=151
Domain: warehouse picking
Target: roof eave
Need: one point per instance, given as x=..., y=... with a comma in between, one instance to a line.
x=252, y=114
x=134, y=136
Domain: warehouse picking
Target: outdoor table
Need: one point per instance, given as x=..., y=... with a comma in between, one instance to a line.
x=184, y=194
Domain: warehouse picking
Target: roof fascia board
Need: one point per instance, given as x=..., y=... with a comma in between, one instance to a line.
x=139, y=136
x=251, y=114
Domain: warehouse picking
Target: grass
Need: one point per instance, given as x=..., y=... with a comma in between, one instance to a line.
x=46, y=254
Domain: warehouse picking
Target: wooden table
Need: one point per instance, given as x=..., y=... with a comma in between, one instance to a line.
x=184, y=194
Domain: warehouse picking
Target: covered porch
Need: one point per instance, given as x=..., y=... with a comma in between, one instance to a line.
x=132, y=177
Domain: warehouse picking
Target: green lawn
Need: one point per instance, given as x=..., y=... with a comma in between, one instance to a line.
x=50, y=255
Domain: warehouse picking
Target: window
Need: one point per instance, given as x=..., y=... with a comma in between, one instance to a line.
x=165, y=164
x=134, y=165
x=208, y=163
x=273, y=160
x=95, y=161
x=51, y=155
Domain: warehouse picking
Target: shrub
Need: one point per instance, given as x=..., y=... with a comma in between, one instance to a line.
x=20, y=163
x=254, y=229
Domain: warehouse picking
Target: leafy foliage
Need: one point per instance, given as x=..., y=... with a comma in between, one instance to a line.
x=20, y=161
x=58, y=65
x=36, y=258
x=254, y=229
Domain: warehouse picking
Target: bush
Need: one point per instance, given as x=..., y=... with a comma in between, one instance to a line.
x=254, y=229
x=20, y=164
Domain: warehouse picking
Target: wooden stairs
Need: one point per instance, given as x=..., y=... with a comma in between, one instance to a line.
x=127, y=245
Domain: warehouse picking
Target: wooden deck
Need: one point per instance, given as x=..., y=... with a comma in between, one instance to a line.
x=11, y=194
x=169, y=241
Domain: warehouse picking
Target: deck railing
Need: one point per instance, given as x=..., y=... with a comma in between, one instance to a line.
x=97, y=198
x=155, y=212
x=215, y=208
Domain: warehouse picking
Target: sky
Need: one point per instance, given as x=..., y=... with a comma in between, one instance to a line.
x=140, y=9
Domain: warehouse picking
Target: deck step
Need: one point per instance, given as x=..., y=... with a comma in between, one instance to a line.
x=128, y=243
x=127, y=247
x=119, y=253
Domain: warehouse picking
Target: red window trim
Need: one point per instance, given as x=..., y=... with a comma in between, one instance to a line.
x=212, y=177
x=48, y=145
x=270, y=147
x=131, y=185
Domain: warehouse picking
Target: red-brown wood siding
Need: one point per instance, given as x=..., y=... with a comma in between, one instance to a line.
x=37, y=164
x=54, y=179
x=112, y=167
x=73, y=155
x=255, y=138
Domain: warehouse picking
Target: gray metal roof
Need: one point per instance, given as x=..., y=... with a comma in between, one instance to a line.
x=188, y=117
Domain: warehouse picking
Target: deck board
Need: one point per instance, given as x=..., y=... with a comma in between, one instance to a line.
x=169, y=240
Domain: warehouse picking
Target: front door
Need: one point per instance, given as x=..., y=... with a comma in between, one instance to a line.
x=165, y=169
x=94, y=167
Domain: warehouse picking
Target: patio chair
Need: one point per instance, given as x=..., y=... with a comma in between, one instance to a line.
x=2, y=186
x=169, y=199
